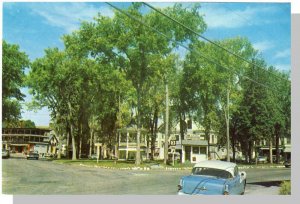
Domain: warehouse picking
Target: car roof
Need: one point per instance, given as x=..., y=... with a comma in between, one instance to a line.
x=216, y=164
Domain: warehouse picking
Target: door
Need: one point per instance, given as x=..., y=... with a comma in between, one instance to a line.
x=187, y=150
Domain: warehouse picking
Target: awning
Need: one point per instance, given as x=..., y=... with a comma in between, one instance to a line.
x=19, y=145
x=195, y=142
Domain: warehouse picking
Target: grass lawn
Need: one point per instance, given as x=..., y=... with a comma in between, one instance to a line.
x=151, y=164
x=120, y=164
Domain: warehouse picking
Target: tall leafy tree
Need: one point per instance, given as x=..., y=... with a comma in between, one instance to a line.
x=14, y=63
x=131, y=45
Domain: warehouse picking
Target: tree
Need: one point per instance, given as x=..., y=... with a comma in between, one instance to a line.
x=14, y=63
x=130, y=45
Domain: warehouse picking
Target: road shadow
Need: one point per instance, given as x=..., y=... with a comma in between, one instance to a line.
x=267, y=183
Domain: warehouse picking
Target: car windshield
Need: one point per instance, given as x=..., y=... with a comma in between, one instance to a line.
x=220, y=173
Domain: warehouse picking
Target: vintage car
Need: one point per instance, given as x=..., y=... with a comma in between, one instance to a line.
x=213, y=177
x=287, y=163
x=262, y=159
x=32, y=155
x=5, y=154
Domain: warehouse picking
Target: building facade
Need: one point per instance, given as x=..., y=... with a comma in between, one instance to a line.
x=23, y=140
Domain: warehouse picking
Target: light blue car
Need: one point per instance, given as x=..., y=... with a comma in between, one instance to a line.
x=213, y=178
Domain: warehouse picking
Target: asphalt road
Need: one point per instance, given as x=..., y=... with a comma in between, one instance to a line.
x=37, y=177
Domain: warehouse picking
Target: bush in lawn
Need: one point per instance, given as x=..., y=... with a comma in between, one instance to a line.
x=285, y=188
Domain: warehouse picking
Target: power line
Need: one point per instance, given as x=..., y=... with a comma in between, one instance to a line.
x=210, y=41
x=184, y=46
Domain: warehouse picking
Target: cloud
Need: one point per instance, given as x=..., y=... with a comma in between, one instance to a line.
x=283, y=53
x=263, y=45
x=68, y=15
x=224, y=17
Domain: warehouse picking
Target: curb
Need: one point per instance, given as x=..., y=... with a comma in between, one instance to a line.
x=169, y=168
x=137, y=168
x=260, y=167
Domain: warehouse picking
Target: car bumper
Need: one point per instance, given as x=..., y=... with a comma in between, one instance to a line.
x=182, y=193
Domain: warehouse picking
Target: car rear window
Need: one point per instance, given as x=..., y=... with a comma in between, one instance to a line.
x=219, y=173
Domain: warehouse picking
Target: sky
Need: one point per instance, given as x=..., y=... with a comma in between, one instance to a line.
x=36, y=26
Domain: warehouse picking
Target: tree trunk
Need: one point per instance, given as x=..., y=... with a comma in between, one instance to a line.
x=153, y=138
x=91, y=141
x=166, y=126
x=227, y=127
x=250, y=145
x=59, y=147
x=138, y=151
x=233, y=147
x=271, y=151
x=73, y=143
x=277, y=134
x=182, y=129
x=80, y=145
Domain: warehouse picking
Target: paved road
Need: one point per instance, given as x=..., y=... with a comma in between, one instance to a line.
x=21, y=176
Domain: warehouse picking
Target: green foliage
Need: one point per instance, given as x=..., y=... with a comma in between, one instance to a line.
x=285, y=188
x=14, y=63
x=113, y=71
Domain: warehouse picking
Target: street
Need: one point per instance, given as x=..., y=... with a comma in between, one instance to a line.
x=33, y=177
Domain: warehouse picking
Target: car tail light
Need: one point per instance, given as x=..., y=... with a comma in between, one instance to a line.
x=226, y=191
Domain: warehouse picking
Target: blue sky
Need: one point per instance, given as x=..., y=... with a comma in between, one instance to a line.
x=36, y=26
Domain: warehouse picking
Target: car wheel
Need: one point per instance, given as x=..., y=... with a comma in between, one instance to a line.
x=244, y=188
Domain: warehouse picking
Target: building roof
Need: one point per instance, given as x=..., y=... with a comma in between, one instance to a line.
x=216, y=164
x=195, y=142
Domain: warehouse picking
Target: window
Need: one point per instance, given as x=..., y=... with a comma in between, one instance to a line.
x=202, y=150
x=132, y=137
x=213, y=139
x=211, y=172
x=123, y=137
x=177, y=137
x=195, y=150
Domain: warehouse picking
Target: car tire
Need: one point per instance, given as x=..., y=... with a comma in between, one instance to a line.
x=244, y=188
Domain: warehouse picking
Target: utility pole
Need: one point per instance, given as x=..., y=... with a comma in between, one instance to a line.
x=166, y=124
x=227, y=125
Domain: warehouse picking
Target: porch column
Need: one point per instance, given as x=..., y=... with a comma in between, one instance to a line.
x=98, y=145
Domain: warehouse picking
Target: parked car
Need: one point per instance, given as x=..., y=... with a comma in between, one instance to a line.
x=93, y=156
x=5, y=154
x=287, y=163
x=262, y=159
x=32, y=155
x=213, y=177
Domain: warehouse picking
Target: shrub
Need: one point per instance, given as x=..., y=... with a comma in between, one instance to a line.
x=285, y=188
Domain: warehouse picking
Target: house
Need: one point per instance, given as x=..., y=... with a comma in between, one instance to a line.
x=22, y=140
x=193, y=146
x=263, y=148
x=127, y=143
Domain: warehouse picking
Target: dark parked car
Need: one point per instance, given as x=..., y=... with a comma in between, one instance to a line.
x=287, y=163
x=32, y=155
x=5, y=154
